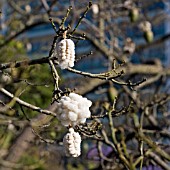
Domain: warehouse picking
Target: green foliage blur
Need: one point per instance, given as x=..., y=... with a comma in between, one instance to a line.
x=33, y=84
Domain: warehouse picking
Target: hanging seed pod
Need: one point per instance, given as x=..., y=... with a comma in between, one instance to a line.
x=148, y=35
x=66, y=53
x=134, y=14
x=146, y=27
x=72, y=143
x=95, y=9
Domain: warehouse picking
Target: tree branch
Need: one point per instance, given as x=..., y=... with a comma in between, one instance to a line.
x=25, y=104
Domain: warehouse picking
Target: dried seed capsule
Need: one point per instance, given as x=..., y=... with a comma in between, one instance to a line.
x=66, y=53
x=146, y=27
x=148, y=35
x=95, y=9
x=72, y=143
x=134, y=14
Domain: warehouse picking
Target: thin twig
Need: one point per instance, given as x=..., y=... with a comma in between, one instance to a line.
x=153, y=145
x=158, y=160
x=42, y=139
x=81, y=18
x=103, y=76
x=28, y=105
x=24, y=113
x=64, y=19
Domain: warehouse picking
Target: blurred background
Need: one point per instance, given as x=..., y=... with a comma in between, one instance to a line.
x=128, y=35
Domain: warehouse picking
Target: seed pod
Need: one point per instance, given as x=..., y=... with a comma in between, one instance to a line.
x=148, y=35
x=95, y=9
x=66, y=53
x=72, y=143
x=146, y=27
x=134, y=14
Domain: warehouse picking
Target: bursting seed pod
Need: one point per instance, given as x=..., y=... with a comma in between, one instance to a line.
x=146, y=27
x=66, y=53
x=73, y=109
x=72, y=143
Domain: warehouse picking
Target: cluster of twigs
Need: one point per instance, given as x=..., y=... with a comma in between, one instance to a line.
x=131, y=145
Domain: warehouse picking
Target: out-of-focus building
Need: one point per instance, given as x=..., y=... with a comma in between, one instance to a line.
x=39, y=39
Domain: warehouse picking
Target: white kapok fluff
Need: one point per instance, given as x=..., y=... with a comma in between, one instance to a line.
x=73, y=109
x=72, y=143
x=66, y=53
x=95, y=9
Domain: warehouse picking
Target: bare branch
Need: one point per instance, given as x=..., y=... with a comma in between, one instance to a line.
x=25, y=104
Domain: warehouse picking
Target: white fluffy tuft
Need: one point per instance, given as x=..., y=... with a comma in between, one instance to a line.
x=73, y=109
x=66, y=53
x=72, y=143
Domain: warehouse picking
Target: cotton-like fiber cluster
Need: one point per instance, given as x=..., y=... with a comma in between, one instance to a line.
x=95, y=9
x=145, y=26
x=66, y=53
x=73, y=109
x=72, y=143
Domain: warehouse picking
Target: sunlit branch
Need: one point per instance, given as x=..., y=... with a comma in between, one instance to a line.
x=27, y=105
